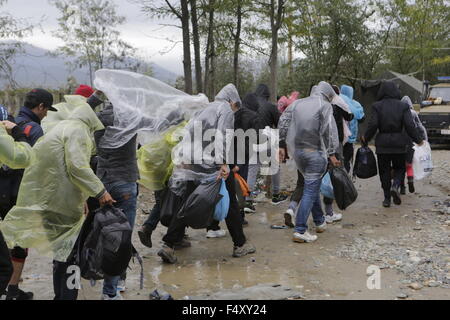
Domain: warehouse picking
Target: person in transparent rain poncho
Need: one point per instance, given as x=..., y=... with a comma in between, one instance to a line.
x=49, y=212
x=194, y=164
x=308, y=133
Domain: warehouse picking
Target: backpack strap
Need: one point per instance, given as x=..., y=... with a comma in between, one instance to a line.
x=136, y=255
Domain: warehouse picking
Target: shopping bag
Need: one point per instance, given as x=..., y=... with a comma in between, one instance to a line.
x=199, y=208
x=245, y=189
x=326, y=188
x=344, y=190
x=223, y=206
x=365, y=163
x=422, y=162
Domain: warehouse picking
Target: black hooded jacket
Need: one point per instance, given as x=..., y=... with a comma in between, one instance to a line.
x=267, y=111
x=391, y=118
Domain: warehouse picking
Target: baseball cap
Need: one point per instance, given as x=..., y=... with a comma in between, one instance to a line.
x=42, y=96
x=84, y=90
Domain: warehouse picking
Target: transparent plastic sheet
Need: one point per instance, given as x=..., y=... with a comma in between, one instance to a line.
x=312, y=126
x=155, y=159
x=206, y=140
x=15, y=155
x=142, y=105
x=49, y=212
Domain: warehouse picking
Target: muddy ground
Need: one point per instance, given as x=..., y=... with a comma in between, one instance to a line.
x=409, y=243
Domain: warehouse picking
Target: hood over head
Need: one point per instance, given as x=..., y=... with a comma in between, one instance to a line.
x=347, y=91
x=84, y=113
x=388, y=90
x=325, y=90
x=228, y=93
x=251, y=101
x=263, y=91
x=408, y=101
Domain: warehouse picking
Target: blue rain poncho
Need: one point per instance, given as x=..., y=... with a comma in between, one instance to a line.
x=356, y=108
x=49, y=212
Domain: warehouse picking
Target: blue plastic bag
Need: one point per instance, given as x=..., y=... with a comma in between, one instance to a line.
x=326, y=188
x=223, y=206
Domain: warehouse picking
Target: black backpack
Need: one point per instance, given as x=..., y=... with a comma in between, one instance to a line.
x=104, y=244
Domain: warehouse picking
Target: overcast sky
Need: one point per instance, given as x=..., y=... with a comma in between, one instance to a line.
x=142, y=32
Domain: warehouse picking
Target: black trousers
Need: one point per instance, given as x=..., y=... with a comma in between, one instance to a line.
x=155, y=214
x=175, y=232
x=60, y=282
x=18, y=254
x=386, y=163
x=6, y=267
x=298, y=192
x=348, y=152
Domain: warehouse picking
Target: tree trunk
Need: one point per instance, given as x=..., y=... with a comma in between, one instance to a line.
x=210, y=52
x=275, y=22
x=196, y=38
x=187, y=64
x=237, y=43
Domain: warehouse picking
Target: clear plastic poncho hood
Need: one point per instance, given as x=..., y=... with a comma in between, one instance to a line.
x=141, y=105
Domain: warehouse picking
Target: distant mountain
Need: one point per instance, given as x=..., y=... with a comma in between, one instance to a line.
x=37, y=67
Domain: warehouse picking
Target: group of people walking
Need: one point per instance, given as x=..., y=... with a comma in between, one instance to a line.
x=73, y=166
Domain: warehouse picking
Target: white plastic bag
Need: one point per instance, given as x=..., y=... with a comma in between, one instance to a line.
x=422, y=163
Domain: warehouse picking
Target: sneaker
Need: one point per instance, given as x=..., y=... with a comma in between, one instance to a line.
x=334, y=218
x=145, y=235
x=288, y=217
x=278, y=198
x=402, y=190
x=411, y=185
x=243, y=250
x=216, y=233
x=387, y=203
x=121, y=286
x=167, y=254
x=182, y=244
x=20, y=295
x=249, y=207
x=321, y=228
x=303, y=237
x=116, y=297
x=396, y=196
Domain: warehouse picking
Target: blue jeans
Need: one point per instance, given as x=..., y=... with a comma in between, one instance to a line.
x=313, y=164
x=125, y=193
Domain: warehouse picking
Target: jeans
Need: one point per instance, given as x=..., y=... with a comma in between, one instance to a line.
x=125, y=193
x=60, y=284
x=313, y=165
x=155, y=215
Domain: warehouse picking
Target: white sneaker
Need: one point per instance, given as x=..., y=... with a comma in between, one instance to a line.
x=334, y=218
x=216, y=233
x=305, y=237
x=289, y=218
x=116, y=297
x=322, y=227
x=121, y=286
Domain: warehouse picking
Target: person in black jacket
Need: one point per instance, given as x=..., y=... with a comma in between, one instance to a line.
x=269, y=115
x=390, y=117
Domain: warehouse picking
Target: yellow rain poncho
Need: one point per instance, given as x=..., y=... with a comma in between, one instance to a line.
x=49, y=211
x=155, y=159
x=16, y=155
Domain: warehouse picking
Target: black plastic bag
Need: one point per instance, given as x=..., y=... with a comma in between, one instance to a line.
x=170, y=204
x=365, y=163
x=198, y=210
x=344, y=191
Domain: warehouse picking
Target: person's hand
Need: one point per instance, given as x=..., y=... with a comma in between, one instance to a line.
x=98, y=93
x=235, y=169
x=224, y=172
x=282, y=154
x=335, y=162
x=9, y=125
x=363, y=140
x=86, y=209
x=106, y=199
x=421, y=143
